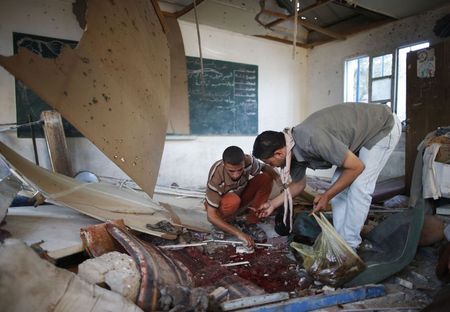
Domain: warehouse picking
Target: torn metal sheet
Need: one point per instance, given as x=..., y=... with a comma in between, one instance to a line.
x=114, y=87
x=104, y=201
x=28, y=283
x=54, y=228
x=179, y=105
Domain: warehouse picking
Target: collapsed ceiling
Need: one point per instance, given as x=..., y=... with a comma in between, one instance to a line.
x=319, y=21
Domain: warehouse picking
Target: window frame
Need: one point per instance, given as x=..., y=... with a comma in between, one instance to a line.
x=371, y=79
x=346, y=74
x=393, y=76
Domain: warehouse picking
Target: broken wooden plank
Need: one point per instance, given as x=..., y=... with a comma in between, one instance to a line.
x=56, y=143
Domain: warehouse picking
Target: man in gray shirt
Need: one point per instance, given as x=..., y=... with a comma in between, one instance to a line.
x=358, y=138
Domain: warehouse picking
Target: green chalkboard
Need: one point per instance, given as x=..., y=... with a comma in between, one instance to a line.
x=225, y=100
x=27, y=102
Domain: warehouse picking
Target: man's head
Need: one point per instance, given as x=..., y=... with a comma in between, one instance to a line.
x=270, y=147
x=233, y=159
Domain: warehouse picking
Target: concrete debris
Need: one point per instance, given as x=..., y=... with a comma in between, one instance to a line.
x=28, y=283
x=419, y=277
x=404, y=283
x=219, y=293
x=116, y=269
x=244, y=249
x=327, y=289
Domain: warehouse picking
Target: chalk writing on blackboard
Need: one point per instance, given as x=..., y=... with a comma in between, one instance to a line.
x=226, y=101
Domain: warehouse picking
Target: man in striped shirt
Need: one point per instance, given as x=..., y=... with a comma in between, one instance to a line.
x=236, y=184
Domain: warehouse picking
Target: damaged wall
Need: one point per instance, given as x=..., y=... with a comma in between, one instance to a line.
x=282, y=83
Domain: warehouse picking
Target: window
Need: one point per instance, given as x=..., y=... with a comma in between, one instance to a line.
x=356, y=80
x=373, y=79
x=368, y=78
x=380, y=83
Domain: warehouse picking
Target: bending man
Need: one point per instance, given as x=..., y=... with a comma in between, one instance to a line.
x=231, y=190
x=358, y=138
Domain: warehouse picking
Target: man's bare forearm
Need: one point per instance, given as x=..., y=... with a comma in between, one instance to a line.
x=295, y=188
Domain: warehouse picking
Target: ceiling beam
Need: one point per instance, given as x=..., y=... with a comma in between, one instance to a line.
x=363, y=11
x=308, y=25
x=302, y=11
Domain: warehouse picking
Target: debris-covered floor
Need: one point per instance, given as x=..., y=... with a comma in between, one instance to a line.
x=200, y=271
x=216, y=263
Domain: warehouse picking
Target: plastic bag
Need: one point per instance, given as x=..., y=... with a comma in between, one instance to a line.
x=330, y=260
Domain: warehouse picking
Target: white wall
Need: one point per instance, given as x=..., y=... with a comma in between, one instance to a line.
x=325, y=82
x=282, y=90
x=326, y=62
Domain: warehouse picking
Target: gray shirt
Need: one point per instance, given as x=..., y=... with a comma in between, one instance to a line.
x=324, y=138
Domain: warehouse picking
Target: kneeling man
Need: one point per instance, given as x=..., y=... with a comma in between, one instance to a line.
x=237, y=183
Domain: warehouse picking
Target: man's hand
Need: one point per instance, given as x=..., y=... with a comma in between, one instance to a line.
x=265, y=209
x=215, y=218
x=320, y=202
x=248, y=241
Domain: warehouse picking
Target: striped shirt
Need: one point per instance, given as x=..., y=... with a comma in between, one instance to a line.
x=220, y=183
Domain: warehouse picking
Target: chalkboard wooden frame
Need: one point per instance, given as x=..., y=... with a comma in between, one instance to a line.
x=225, y=100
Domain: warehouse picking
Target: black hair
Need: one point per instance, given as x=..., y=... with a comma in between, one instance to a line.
x=267, y=143
x=233, y=155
